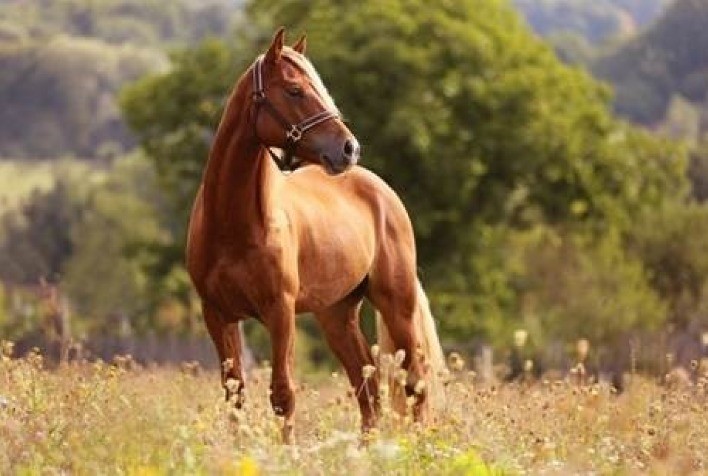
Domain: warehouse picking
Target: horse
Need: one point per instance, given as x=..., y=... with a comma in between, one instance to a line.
x=270, y=245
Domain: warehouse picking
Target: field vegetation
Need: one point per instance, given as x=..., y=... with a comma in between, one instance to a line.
x=121, y=418
x=537, y=206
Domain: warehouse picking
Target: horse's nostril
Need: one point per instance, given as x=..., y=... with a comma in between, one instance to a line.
x=348, y=148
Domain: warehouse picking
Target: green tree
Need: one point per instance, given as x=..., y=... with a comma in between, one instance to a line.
x=474, y=120
x=105, y=276
x=37, y=238
x=471, y=118
x=174, y=116
x=58, y=96
x=672, y=243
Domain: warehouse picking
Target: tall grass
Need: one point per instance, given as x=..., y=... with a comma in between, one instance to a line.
x=123, y=419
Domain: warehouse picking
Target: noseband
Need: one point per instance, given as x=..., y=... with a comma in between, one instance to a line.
x=293, y=132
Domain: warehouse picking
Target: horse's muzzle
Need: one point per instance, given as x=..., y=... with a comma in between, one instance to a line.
x=338, y=161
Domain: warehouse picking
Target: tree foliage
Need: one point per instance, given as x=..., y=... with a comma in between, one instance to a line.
x=471, y=119
x=90, y=234
x=58, y=97
x=62, y=62
x=139, y=22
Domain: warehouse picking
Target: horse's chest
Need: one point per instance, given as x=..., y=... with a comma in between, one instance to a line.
x=244, y=282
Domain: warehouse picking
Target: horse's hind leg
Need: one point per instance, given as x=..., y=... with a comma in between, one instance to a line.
x=227, y=339
x=394, y=296
x=340, y=324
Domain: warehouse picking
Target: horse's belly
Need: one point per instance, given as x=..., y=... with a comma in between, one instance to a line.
x=328, y=277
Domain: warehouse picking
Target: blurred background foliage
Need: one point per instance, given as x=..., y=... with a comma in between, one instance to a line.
x=552, y=153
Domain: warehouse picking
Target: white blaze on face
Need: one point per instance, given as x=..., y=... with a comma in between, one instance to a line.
x=306, y=67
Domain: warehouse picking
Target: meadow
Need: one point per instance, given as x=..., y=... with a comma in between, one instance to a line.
x=122, y=418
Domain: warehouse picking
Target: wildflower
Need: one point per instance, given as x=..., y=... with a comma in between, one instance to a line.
x=6, y=348
x=399, y=357
x=248, y=466
x=228, y=364
x=520, y=337
x=457, y=363
x=386, y=449
x=419, y=387
x=232, y=385
x=375, y=350
x=400, y=376
x=528, y=365
x=367, y=371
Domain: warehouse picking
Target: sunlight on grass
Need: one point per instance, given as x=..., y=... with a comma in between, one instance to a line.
x=123, y=419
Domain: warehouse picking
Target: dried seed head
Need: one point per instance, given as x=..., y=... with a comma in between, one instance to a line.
x=228, y=364
x=399, y=357
x=419, y=387
x=456, y=362
x=400, y=376
x=375, y=350
x=367, y=371
x=232, y=385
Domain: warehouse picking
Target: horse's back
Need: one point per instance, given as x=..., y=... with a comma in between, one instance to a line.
x=358, y=186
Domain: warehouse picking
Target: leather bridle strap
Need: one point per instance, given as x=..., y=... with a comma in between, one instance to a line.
x=293, y=132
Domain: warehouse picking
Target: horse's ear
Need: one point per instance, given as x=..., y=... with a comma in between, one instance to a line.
x=276, y=47
x=301, y=45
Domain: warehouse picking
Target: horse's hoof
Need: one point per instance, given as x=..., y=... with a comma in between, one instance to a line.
x=287, y=434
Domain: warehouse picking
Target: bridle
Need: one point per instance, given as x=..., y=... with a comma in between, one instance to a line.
x=293, y=132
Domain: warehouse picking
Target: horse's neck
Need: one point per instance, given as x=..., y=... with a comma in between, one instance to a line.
x=238, y=180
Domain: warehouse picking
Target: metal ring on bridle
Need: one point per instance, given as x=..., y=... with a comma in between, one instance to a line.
x=294, y=134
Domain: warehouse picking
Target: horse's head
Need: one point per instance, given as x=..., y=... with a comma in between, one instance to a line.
x=294, y=111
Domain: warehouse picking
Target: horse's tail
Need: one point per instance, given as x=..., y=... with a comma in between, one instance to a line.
x=427, y=337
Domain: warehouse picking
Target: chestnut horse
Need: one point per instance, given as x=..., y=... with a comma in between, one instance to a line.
x=269, y=245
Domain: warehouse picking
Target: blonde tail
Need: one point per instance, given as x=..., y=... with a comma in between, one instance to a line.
x=427, y=337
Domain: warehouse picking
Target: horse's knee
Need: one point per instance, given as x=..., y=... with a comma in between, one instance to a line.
x=282, y=399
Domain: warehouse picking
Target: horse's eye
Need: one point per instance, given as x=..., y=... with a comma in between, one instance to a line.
x=295, y=91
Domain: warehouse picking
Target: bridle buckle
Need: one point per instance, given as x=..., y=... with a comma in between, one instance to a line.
x=294, y=134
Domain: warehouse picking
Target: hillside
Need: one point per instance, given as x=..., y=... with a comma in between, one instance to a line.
x=63, y=62
x=663, y=68
x=594, y=21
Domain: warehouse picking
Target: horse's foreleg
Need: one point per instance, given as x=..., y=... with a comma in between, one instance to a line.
x=340, y=324
x=280, y=322
x=227, y=339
